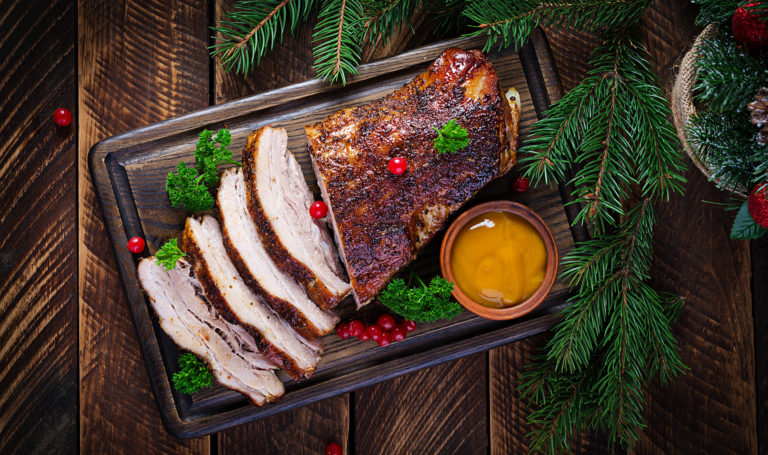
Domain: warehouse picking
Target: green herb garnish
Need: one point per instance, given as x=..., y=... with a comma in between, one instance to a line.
x=193, y=374
x=422, y=303
x=451, y=138
x=169, y=254
x=192, y=188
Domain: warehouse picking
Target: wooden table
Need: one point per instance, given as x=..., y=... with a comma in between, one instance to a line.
x=72, y=375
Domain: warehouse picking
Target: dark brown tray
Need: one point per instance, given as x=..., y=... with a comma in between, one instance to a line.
x=129, y=173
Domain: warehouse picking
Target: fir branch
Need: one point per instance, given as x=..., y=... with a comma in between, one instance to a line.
x=716, y=11
x=512, y=22
x=447, y=16
x=614, y=126
x=339, y=35
x=251, y=29
x=728, y=78
x=383, y=17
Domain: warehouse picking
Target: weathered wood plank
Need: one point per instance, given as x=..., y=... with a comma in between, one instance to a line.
x=38, y=235
x=759, y=254
x=139, y=62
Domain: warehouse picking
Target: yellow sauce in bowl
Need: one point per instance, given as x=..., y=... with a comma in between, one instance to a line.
x=498, y=259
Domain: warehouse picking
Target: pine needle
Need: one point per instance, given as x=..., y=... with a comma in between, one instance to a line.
x=339, y=35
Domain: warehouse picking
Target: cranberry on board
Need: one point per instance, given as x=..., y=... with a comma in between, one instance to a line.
x=62, y=117
x=318, y=209
x=409, y=326
x=374, y=332
x=398, y=333
x=385, y=339
x=520, y=184
x=333, y=449
x=365, y=335
x=136, y=245
x=397, y=165
x=355, y=328
x=385, y=322
x=342, y=331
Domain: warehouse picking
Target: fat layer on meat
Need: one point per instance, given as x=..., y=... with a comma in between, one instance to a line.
x=235, y=301
x=279, y=201
x=190, y=320
x=256, y=267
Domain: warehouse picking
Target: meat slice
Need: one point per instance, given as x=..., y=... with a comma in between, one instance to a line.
x=279, y=200
x=381, y=220
x=236, y=302
x=246, y=250
x=189, y=319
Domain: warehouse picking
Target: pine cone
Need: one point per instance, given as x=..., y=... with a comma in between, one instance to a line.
x=759, y=112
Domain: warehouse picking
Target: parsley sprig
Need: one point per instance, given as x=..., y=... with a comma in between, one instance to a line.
x=422, y=303
x=192, y=187
x=451, y=138
x=169, y=254
x=193, y=374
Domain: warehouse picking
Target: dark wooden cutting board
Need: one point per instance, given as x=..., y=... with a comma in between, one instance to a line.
x=129, y=173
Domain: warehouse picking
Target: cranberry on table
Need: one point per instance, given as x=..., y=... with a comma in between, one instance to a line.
x=136, y=245
x=333, y=449
x=342, y=331
x=385, y=322
x=409, y=326
x=385, y=339
x=397, y=334
x=374, y=332
x=355, y=328
x=62, y=117
x=365, y=335
x=520, y=184
x=318, y=210
x=397, y=165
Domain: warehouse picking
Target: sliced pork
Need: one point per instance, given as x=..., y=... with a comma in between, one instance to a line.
x=381, y=221
x=279, y=200
x=233, y=298
x=256, y=267
x=189, y=319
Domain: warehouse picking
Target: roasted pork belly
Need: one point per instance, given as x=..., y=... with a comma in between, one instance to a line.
x=236, y=302
x=279, y=200
x=247, y=252
x=189, y=319
x=381, y=220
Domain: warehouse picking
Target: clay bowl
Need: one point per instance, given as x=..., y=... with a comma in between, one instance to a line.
x=514, y=311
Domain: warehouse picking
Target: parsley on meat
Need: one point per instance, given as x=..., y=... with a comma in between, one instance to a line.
x=185, y=188
x=422, y=303
x=451, y=138
x=211, y=151
x=193, y=374
x=169, y=254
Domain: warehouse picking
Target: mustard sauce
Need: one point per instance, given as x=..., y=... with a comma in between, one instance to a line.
x=498, y=259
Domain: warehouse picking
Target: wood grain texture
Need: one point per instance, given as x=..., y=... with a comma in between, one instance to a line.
x=38, y=229
x=436, y=410
x=759, y=252
x=139, y=62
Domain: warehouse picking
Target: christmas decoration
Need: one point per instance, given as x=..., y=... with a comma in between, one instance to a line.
x=758, y=204
x=748, y=28
x=758, y=112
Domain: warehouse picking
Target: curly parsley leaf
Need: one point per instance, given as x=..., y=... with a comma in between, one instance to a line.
x=210, y=151
x=185, y=188
x=193, y=374
x=451, y=138
x=169, y=254
x=423, y=303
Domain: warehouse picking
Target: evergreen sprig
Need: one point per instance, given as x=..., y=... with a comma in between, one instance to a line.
x=383, y=17
x=338, y=37
x=616, y=333
x=251, y=29
x=512, y=22
x=614, y=126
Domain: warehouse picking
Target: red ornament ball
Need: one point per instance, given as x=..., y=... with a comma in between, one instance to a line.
x=333, y=449
x=136, y=245
x=397, y=165
x=749, y=29
x=520, y=184
x=318, y=210
x=758, y=204
x=62, y=117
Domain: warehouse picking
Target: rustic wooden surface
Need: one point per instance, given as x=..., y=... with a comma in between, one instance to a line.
x=118, y=65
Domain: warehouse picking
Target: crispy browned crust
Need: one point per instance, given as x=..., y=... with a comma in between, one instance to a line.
x=286, y=311
x=321, y=295
x=381, y=219
x=214, y=296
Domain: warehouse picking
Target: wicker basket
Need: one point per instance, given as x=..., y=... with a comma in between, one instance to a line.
x=683, y=106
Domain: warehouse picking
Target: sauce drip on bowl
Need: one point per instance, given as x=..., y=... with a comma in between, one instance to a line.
x=498, y=259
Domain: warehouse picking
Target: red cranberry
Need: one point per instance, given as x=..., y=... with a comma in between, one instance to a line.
x=355, y=328
x=385, y=322
x=397, y=165
x=318, y=210
x=398, y=333
x=62, y=117
x=333, y=449
x=385, y=339
x=342, y=331
x=520, y=184
x=136, y=245
x=409, y=326
x=375, y=332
